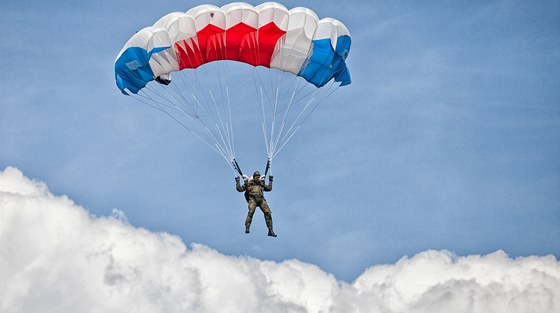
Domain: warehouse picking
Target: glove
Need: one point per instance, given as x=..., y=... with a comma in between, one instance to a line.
x=237, y=179
x=270, y=177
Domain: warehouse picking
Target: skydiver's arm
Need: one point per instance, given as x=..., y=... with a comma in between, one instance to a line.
x=269, y=186
x=238, y=186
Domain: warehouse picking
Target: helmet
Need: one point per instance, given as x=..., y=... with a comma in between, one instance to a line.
x=256, y=173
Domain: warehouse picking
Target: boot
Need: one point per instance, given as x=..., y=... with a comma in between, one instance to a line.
x=247, y=229
x=271, y=233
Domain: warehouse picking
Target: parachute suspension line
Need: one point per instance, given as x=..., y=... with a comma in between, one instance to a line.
x=294, y=80
x=313, y=90
x=224, y=110
x=231, y=123
x=183, y=102
x=227, y=108
x=218, y=138
x=301, y=95
x=158, y=106
x=276, y=138
x=144, y=100
x=266, y=97
x=219, y=127
x=276, y=134
x=191, y=87
x=211, y=108
x=314, y=107
x=264, y=123
x=259, y=88
x=289, y=134
x=147, y=97
x=227, y=103
x=286, y=55
x=294, y=84
x=216, y=147
x=282, y=115
x=162, y=102
x=272, y=134
x=330, y=92
x=173, y=101
x=287, y=111
x=196, y=90
x=188, y=89
x=222, y=127
x=273, y=122
x=278, y=105
x=299, y=121
x=262, y=84
x=261, y=92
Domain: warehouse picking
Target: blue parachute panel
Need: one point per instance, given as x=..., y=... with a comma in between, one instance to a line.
x=326, y=63
x=132, y=69
x=342, y=74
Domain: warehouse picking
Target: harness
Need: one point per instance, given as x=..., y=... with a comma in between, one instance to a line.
x=258, y=197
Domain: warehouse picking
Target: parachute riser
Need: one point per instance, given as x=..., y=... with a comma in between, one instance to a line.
x=267, y=167
x=236, y=167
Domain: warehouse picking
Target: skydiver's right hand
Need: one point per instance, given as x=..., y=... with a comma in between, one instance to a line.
x=237, y=179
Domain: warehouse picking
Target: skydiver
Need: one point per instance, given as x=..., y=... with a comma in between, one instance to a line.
x=253, y=189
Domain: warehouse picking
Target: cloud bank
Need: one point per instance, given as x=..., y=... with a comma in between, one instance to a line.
x=55, y=257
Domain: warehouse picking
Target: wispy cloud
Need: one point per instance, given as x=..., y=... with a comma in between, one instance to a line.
x=56, y=257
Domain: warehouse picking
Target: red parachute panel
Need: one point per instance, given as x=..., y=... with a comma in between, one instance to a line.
x=268, y=35
x=236, y=37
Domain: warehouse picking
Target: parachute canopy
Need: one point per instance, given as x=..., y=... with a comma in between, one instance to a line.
x=268, y=35
x=295, y=59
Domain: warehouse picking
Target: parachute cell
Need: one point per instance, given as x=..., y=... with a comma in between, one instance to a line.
x=295, y=47
x=331, y=44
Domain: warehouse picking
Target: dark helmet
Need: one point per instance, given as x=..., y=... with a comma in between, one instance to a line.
x=256, y=173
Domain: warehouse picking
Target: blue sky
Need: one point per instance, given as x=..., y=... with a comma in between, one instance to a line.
x=448, y=137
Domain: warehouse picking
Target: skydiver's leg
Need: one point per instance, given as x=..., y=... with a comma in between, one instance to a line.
x=267, y=214
x=267, y=217
x=251, y=206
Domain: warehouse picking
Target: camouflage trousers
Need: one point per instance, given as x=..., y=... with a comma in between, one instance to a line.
x=261, y=203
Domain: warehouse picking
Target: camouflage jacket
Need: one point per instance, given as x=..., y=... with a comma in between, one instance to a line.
x=253, y=189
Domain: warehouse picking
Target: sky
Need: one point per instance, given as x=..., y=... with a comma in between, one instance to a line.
x=447, y=140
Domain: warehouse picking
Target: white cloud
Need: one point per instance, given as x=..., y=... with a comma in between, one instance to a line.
x=55, y=257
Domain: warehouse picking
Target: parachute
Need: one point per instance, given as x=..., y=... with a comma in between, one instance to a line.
x=184, y=65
